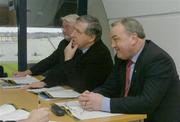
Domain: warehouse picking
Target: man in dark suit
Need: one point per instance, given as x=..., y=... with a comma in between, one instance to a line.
x=83, y=62
x=144, y=79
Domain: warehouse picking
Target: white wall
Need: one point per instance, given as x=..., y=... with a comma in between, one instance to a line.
x=160, y=18
x=121, y=8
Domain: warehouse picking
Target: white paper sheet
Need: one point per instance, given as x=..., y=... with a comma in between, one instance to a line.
x=63, y=94
x=22, y=80
x=81, y=114
x=15, y=115
x=56, y=88
x=9, y=112
x=6, y=108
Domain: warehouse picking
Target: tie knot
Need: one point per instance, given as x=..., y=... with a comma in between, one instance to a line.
x=129, y=62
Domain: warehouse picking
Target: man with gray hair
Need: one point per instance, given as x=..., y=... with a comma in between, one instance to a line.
x=68, y=25
x=50, y=64
x=144, y=79
x=83, y=62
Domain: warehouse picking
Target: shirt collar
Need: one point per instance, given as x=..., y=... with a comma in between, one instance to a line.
x=84, y=50
x=135, y=57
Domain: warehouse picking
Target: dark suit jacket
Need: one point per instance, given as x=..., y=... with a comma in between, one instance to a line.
x=82, y=72
x=155, y=86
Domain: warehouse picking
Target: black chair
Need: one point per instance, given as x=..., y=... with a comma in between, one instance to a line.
x=2, y=73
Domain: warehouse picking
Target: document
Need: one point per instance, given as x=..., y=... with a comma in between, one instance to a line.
x=54, y=93
x=15, y=82
x=36, y=91
x=67, y=93
x=9, y=112
x=76, y=111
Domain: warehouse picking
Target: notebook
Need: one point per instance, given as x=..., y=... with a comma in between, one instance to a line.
x=9, y=112
x=74, y=109
x=67, y=93
x=37, y=91
x=54, y=93
x=15, y=82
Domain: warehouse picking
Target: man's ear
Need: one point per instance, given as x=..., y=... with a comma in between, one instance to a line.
x=134, y=39
x=92, y=38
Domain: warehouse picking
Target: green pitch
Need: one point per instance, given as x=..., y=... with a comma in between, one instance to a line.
x=10, y=68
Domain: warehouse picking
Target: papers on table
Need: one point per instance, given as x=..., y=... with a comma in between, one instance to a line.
x=77, y=112
x=7, y=86
x=15, y=82
x=62, y=94
x=20, y=80
x=6, y=108
x=56, y=88
x=55, y=92
x=9, y=112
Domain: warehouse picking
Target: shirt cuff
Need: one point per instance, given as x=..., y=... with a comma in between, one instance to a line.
x=105, y=104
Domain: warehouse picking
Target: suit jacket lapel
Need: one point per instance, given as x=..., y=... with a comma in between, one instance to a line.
x=137, y=80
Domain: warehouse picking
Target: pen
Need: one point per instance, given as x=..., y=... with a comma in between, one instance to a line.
x=39, y=101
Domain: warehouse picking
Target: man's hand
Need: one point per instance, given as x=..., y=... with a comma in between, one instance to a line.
x=90, y=101
x=82, y=98
x=34, y=85
x=38, y=115
x=22, y=74
x=70, y=50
